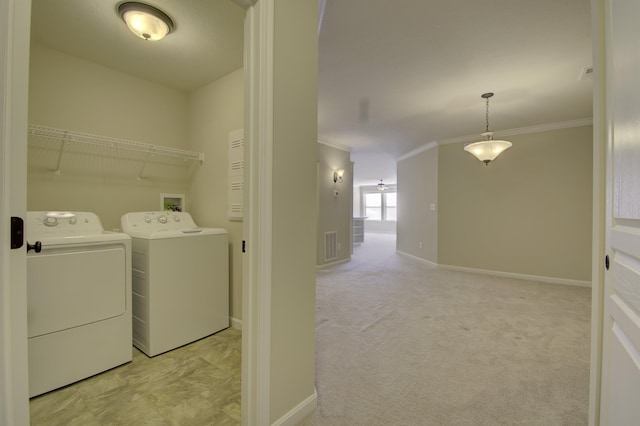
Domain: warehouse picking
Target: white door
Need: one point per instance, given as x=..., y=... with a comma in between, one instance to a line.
x=14, y=75
x=621, y=328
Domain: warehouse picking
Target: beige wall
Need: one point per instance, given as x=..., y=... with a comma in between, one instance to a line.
x=334, y=212
x=214, y=111
x=294, y=220
x=417, y=227
x=529, y=212
x=70, y=93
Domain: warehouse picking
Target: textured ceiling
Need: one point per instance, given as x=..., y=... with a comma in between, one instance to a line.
x=396, y=75
x=206, y=44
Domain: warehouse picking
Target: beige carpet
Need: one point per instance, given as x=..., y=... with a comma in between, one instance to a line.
x=403, y=343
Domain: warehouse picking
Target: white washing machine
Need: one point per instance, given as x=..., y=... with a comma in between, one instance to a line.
x=180, y=280
x=79, y=314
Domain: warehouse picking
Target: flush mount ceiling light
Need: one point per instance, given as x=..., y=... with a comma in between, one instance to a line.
x=487, y=150
x=145, y=21
x=381, y=186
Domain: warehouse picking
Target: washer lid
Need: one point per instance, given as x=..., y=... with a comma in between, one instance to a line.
x=193, y=232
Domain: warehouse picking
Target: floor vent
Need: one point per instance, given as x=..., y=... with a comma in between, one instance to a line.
x=330, y=245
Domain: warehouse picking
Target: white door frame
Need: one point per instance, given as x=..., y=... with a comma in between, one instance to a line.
x=15, y=18
x=14, y=42
x=599, y=207
x=256, y=288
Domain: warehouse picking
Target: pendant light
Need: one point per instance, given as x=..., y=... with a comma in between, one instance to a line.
x=381, y=186
x=487, y=150
x=146, y=21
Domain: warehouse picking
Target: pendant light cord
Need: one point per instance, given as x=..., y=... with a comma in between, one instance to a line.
x=487, y=114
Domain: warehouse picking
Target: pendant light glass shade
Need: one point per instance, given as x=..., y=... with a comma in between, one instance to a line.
x=487, y=150
x=146, y=21
x=381, y=186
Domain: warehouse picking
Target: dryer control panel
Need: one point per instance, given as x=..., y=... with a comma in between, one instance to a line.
x=62, y=223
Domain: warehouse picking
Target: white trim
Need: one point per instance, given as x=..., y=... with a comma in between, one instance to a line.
x=599, y=210
x=511, y=132
x=322, y=5
x=245, y=3
x=14, y=83
x=334, y=263
x=257, y=230
x=523, y=130
x=419, y=259
x=333, y=144
x=420, y=150
x=299, y=412
x=550, y=280
x=236, y=323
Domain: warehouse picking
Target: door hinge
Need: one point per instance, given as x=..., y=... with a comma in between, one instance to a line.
x=17, y=232
x=244, y=246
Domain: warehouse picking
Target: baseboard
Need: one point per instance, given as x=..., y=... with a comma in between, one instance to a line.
x=419, y=259
x=299, y=412
x=236, y=323
x=330, y=264
x=551, y=280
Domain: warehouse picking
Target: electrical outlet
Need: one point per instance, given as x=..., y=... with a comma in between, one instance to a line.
x=420, y=244
x=339, y=246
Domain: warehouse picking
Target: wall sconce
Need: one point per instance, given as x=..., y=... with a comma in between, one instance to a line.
x=338, y=175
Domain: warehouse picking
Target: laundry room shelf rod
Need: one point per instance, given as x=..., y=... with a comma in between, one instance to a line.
x=60, y=142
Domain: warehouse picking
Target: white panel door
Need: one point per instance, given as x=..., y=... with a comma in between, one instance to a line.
x=621, y=328
x=14, y=78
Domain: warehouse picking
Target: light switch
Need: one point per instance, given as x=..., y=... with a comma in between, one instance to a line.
x=433, y=207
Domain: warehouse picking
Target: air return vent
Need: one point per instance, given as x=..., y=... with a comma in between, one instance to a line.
x=330, y=245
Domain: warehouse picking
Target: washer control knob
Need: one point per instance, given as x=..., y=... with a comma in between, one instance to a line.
x=50, y=221
x=176, y=218
x=147, y=219
x=73, y=220
x=162, y=219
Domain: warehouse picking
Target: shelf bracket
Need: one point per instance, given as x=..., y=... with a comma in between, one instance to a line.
x=65, y=138
x=144, y=163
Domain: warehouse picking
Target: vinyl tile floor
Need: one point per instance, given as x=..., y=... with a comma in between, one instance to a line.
x=197, y=384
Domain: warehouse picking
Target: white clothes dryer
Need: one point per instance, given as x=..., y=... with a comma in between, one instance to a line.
x=180, y=280
x=78, y=298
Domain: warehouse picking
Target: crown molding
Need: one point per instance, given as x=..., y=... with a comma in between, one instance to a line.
x=511, y=132
x=412, y=153
x=524, y=130
x=245, y=3
x=333, y=144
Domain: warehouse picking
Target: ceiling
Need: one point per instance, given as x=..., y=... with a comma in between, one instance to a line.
x=206, y=44
x=394, y=75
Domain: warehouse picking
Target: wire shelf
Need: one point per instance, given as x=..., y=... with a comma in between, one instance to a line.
x=58, y=149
